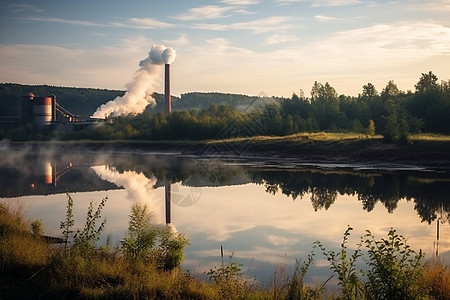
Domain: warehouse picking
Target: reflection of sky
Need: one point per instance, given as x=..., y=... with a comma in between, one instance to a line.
x=261, y=229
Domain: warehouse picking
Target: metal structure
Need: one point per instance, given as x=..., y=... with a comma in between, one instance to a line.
x=46, y=113
x=167, y=98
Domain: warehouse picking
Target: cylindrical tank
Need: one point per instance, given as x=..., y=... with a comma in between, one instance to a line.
x=43, y=172
x=42, y=111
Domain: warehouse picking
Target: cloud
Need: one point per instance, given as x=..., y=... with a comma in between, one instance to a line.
x=24, y=7
x=322, y=18
x=206, y=12
x=181, y=41
x=64, y=21
x=280, y=38
x=240, y=2
x=432, y=5
x=146, y=23
x=319, y=3
x=137, y=23
x=275, y=23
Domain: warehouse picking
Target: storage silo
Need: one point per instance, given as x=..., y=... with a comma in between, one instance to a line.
x=42, y=111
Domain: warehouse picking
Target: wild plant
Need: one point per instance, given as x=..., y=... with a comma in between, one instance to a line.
x=228, y=279
x=225, y=272
x=344, y=265
x=37, y=229
x=297, y=289
x=395, y=269
x=68, y=223
x=85, y=240
x=141, y=236
x=171, y=248
x=146, y=243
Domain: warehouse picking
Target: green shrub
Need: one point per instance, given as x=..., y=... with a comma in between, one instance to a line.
x=395, y=269
x=148, y=244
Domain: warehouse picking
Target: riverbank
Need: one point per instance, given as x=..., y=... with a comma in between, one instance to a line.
x=421, y=152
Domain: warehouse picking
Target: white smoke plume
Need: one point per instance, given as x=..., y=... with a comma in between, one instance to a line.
x=140, y=90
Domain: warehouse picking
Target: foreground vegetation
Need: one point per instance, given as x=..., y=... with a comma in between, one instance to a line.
x=146, y=266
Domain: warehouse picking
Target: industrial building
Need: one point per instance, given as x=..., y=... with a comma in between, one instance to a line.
x=45, y=114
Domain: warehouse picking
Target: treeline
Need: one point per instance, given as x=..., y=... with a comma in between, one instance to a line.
x=393, y=113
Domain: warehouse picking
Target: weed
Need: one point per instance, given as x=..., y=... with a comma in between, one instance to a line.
x=67, y=225
x=297, y=289
x=85, y=240
x=436, y=278
x=345, y=266
x=37, y=228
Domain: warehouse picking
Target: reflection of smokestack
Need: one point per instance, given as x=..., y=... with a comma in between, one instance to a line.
x=168, y=192
x=167, y=98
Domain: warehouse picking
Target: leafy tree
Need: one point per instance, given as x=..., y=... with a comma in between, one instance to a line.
x=369, y=92
x=325, y=105
x=427, y=84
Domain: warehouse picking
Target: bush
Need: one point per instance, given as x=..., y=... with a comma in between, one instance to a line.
x=145, y=243
x=396, y=269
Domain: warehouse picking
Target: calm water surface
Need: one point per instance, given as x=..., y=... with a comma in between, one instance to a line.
x=264, y=215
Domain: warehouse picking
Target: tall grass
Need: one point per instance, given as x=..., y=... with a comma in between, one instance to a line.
x=32, y=269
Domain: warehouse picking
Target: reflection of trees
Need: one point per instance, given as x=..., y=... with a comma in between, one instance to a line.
x=430, y=192
x=322, y=197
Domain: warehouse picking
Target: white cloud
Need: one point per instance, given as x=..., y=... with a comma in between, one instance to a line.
x=181, y=41
x=149, y=23
x=323, y=2
x=240, y=2
x=64, y=21
x=138, y=23
x=204, y=13
x=280, y=38
x=432, y=5
x=322, y=18
x=275, y=23
x=333, y=2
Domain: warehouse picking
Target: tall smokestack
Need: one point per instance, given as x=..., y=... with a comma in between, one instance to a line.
x=168, y=198
x=167, y=98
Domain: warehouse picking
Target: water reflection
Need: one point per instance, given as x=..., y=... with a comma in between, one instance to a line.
x=254, y=209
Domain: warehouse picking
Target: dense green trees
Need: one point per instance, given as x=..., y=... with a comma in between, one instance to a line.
x=392, y=113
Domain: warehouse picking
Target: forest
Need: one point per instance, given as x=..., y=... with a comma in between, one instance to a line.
x=393, y=113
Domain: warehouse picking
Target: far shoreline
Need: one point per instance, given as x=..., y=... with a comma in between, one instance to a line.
x=338, y=150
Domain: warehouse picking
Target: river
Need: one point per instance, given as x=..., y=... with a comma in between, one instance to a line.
x=264, y=215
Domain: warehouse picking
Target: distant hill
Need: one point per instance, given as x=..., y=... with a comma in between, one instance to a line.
x=84, y=101
x=197, y=100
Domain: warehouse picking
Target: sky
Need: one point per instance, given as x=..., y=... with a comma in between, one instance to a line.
x=252, y=47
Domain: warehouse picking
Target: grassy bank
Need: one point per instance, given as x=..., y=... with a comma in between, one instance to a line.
x=31, y=268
